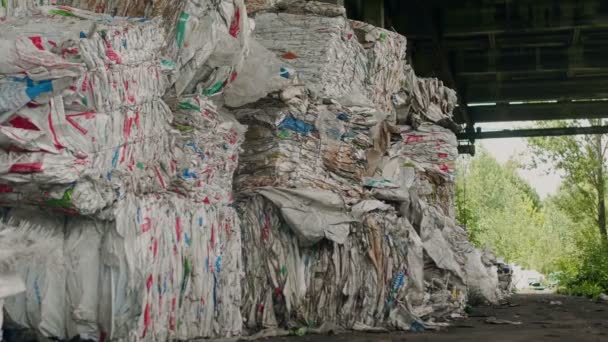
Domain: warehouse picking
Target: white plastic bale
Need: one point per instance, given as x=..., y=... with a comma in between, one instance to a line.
x=210, y=45
x=423, y=100
x=165, y=268
x=323, y=50
x=386, y=58
x=108, y=129
x=350, y=285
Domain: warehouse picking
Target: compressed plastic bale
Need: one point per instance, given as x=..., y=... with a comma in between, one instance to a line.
x=316, y=145
x=210, y=45
x=386, y=56
x=423, y=99
x=109, y=129
x=351, y=284
x=207, y=150
x=162, y=268
x=322, y=50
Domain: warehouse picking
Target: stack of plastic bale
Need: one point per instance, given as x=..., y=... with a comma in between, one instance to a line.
x=138, y=193
x=417, y=174
x=316, y=252
x=326, y=238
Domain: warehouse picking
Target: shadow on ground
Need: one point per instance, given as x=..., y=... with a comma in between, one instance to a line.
x=566, y=319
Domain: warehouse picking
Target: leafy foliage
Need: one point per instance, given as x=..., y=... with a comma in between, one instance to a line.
x=565, y=233
x=502, y=212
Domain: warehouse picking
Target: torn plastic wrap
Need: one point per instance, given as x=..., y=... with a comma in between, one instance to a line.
x=164, y=268
x=364, y=282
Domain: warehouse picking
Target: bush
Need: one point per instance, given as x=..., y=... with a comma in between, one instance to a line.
x=590, y=277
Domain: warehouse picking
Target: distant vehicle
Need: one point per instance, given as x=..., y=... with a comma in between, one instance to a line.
x=535, y=284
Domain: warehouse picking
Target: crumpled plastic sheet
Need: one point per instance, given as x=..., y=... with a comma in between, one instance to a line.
x=163, y=268
x=371, y=280
x=423, y=99
x=209, y=46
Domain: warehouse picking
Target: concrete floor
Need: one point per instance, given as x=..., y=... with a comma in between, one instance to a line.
x=576, y=319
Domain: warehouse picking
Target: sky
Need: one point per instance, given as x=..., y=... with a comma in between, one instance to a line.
x=516, y=148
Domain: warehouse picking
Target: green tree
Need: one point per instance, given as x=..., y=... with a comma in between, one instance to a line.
x=504, y=213
x=583, y=160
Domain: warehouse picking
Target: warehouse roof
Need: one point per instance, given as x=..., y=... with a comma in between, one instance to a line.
x=509, y=60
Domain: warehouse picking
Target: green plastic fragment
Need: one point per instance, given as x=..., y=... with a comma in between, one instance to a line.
x=64, y=202
x=284, y=134
x=62, y=13
x=184, y=128
x=140, y=165
x=181, y=28
x=383, y=36
x=214, y=89
x=188, y=106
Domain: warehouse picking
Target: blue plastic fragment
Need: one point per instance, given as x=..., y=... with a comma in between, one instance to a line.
x=187, y=174
x=296, y=125
x=343, y=116
x=83, y=35
x=284, y=72
x=417, y=327
x=33, y=91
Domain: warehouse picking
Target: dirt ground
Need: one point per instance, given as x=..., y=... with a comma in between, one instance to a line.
x=576, y=319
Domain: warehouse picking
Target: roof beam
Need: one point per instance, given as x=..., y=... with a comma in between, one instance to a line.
x=536, y=132
x=543, y=89
x=442, y=61
x=539, y=111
